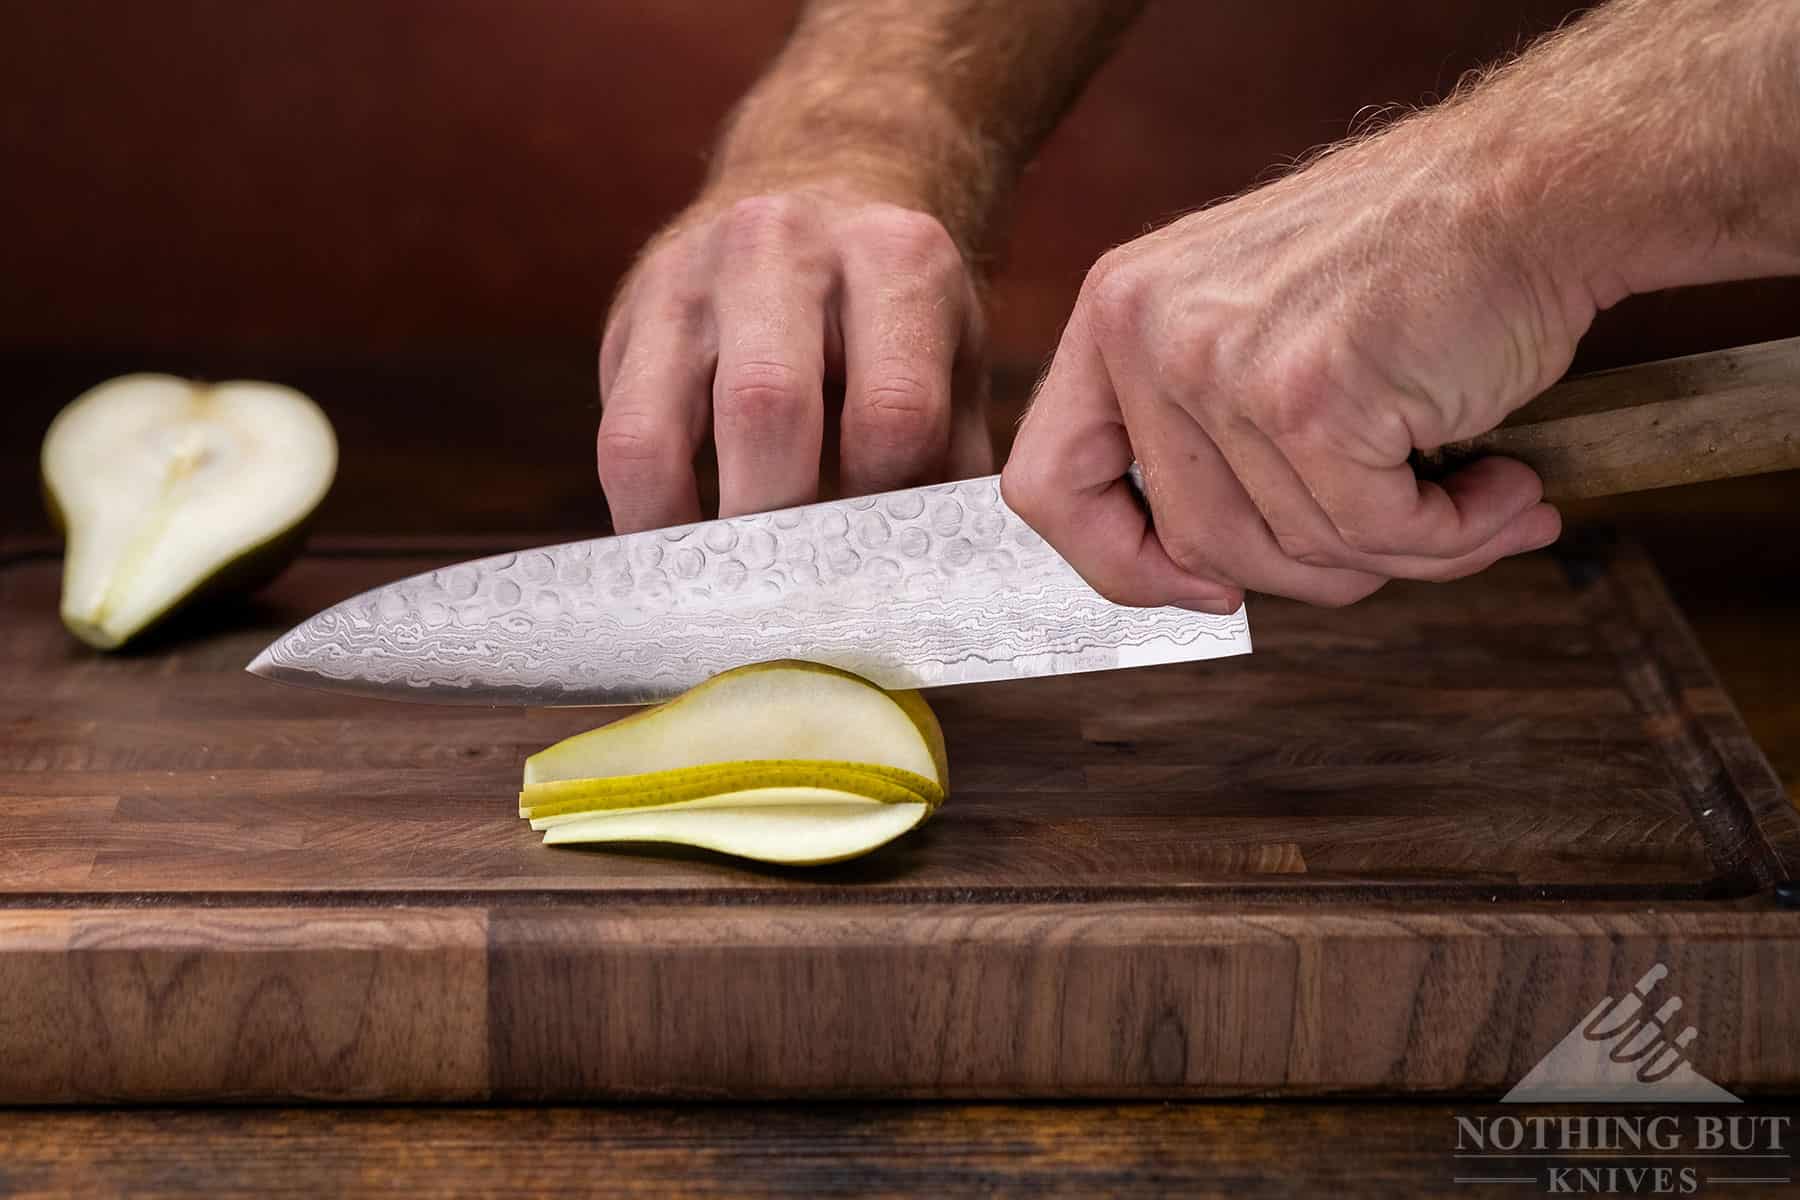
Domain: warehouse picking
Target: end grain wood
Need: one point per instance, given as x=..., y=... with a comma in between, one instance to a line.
x=181, y=1004
x=1108, y=999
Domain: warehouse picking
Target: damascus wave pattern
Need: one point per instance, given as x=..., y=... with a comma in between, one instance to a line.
x=918, y=588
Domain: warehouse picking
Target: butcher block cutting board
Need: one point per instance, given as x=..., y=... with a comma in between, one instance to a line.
x=1404, y=847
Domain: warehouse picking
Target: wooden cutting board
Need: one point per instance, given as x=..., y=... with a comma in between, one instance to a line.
x=1404, y=847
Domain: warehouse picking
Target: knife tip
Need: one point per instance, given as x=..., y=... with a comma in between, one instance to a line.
x=262, y=665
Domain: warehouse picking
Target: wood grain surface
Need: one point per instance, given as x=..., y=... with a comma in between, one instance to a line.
x=1227, y=1151
x=1445, y=741
x=1401, y=848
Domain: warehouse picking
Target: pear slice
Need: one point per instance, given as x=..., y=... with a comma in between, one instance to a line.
x=747, y=797
x=783, y=710
x=798, y=826
x=169, y=490
x=889, y=784
x=785, y=762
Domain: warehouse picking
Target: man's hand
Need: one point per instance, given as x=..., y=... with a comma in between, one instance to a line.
x=743, y=316
x=830, y=250
x=1273, y=362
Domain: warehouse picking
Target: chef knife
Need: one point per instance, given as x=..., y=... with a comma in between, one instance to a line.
x=941, y=584
x=931, y=585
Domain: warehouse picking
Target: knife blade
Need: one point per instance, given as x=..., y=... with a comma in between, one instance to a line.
x=934, y=585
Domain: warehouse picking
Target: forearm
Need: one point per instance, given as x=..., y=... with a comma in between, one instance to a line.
x=932, y=104
x=1650, y=145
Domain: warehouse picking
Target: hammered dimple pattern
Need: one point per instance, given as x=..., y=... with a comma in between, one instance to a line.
x=929, y=586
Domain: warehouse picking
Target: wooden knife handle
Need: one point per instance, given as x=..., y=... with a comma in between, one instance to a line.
x=1681, y=420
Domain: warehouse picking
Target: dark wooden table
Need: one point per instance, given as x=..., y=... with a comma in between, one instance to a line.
x=1729, y=553
x=1229, y=1150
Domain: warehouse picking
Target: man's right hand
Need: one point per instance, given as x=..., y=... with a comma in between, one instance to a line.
x=1272, y=363
x=746, y=317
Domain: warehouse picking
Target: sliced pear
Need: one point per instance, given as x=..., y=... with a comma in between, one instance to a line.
x=890, y=784
x=759, y=797
x=776, y=710
x=785, y=762
x=169, y=490
x=798, y=826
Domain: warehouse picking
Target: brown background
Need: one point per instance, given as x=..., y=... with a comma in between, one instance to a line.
x=417, y=209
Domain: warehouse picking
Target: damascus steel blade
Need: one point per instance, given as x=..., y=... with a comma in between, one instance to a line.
x=917, y=588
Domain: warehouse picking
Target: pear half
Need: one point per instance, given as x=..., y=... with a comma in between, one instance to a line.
x=785, y=762
x=169, y=490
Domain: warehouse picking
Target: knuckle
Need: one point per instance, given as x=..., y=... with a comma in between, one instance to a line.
x=1304, y=548
x=1190, y=549
x=758, y=221
x=1196, y=358
x=1367, y=540
x=670, y=286
x=1294, y=397
x=1287, y=411
x=913, y=239
x=629, y=453
x=1381, y=429
x=1187, y=550
x=1114, y=295
x=1026, y=488
x=903, y=409
x=679, y=297
x=1022, y=488
x=761, y=393
x=1029, y=486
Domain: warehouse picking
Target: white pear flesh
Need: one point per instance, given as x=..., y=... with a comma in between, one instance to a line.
x=752, y=795
x=163, y=484
x=768, y=711
x=790, y=826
